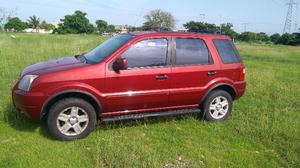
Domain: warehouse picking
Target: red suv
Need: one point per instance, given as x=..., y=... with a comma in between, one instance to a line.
x=133, y=75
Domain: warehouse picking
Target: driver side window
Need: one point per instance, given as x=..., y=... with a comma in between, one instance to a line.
x=147, y=53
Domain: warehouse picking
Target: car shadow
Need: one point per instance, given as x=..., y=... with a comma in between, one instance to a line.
x=20, y=122
x=104, y=125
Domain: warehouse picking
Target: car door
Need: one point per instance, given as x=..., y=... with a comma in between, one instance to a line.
x=145, y=83
x=192, y=70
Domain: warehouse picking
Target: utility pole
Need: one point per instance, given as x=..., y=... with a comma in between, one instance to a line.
x=296, y=18
x=245, y=26
x=289, y=16
x=221, y=24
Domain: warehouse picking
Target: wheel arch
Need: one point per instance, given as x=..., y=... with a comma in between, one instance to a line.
x=221, y=86
x=71, y=93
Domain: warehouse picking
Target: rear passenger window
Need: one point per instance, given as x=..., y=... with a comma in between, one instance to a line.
x=192, y=52
x=147, y=53
x=227, y=51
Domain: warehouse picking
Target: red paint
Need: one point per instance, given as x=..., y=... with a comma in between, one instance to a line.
x=129, y=91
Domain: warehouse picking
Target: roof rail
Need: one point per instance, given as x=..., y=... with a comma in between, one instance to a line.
x=153, y=31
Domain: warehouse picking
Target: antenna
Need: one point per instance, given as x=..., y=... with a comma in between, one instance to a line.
x=289, y=17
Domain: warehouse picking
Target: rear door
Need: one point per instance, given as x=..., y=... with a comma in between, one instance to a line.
x=145, y=84
x=193, y=67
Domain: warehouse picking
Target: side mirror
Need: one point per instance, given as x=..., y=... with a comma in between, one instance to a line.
x=120, y=64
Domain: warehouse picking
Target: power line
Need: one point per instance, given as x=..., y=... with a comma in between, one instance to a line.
x=138, y=17
x=289, y=16
x=277, y=2
x=202, y=16
x=245, y=26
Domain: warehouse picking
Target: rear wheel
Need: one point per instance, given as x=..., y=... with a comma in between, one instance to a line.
x=71, y=118
x=217, y=106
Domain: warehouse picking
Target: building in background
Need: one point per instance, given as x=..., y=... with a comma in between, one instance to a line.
x=43, y=31
x=122, y=28
x=3, y=22
x=56, y=23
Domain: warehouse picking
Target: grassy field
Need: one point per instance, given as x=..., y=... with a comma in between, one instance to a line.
x=263, y=131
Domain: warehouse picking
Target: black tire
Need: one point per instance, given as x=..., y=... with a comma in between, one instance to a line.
x=82, y=107
x=207, y=112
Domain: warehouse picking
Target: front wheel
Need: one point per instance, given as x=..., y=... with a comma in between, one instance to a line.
x=71, y=118
x=217, y=106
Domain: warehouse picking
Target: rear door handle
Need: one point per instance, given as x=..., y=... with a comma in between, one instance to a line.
x=161, y=77
x=211, y=73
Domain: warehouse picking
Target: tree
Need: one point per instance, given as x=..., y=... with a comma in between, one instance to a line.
x=34, y=22
x=202, y=27
x=275, y=38
x=5, y=15
x=247, y=36
x=76, y=24
x=262, y=37
x=287, y=39
x=296, y=38
x=15, y=24
x=159, y=20
x=226, y=29
x=46, y=26
x=101, y=26
x=110, y=29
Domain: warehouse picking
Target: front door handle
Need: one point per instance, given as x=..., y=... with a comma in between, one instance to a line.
x=161, y=77
x=211, y=73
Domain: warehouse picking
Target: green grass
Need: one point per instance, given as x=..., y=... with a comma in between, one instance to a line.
x=263, y=130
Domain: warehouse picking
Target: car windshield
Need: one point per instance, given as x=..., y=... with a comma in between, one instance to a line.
x=105, y=49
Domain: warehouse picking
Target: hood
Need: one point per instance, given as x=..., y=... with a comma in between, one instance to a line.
x=55, y=65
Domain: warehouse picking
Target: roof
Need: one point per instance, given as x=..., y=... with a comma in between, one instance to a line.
x=157, y=33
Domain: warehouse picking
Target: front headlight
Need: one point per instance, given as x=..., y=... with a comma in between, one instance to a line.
x=26, y=82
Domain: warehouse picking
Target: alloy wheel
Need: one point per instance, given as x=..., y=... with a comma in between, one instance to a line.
x=72, y=121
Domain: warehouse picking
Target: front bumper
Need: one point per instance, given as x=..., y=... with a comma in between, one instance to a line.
x=28, y=103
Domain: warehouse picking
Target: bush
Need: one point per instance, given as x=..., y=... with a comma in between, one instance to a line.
x=202, y=27
x=15, y=24
x=275, y=38
x=247, y=37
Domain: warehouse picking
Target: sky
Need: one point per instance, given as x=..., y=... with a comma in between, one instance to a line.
x=259, y=15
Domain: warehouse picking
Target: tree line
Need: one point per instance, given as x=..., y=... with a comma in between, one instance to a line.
x=33, y=22
x=227, y=29
x=76, y=23
x=155, y=20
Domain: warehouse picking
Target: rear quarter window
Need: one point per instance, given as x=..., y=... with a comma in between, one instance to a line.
x=227, y=51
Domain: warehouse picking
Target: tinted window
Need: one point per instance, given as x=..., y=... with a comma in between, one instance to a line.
x=227, y=51
x=105, y=49
x=192, y=52
x=147, y=53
